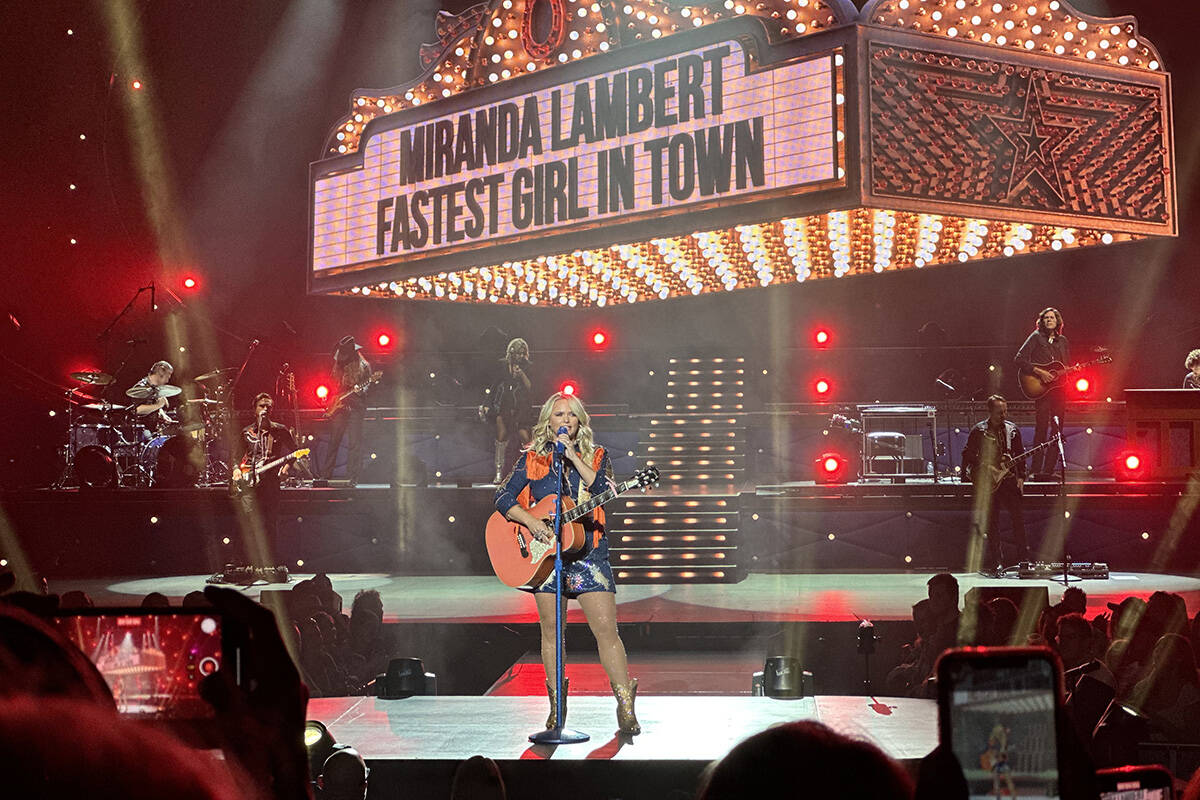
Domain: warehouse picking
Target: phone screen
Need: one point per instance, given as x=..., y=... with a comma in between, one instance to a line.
x=1147, y=782
x=152, y=659
x=1137, y=793
x=1001, y=718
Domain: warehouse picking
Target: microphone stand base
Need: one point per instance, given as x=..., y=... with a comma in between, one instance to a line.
x=558, y=736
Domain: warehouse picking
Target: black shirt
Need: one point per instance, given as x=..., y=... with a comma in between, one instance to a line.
x=276, y=441
x=1190, y=381
x=982, y=443
x=1039, y=350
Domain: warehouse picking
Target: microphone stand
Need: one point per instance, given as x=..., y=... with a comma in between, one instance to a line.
x=1066, y=576
x=559, y=734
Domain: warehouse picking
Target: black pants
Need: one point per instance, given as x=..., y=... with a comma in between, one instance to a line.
x=1008, y=497
x=1050, y=405
x=346, y=422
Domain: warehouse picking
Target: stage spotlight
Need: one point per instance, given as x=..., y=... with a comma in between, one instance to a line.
x=568, y=388
x=383, y=339
x=822, y=337
x=405, y=677
x=782, y=676
x=1131, y=466
x=831, y=468
x=319, y=743
x=322, y=392
x=135, y=84
x=599, y=340
x=822, y=387
x=1083, y=386
x=189, y=282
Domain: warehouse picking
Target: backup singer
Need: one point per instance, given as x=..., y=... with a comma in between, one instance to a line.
x=587, y=575
x=351, y=371
x=508, y=401
x=1045, y=345
x=1192, y=364
x=991, y=445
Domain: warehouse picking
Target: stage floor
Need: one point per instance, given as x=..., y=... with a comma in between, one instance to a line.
x=674, y=728
x=830, y=597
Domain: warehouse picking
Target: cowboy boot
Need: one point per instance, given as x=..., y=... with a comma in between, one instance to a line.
x=500, y=448
x=626, y=720
x=552, y=720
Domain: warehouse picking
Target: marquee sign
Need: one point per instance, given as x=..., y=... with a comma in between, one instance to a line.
x=659, y=138
x=570, y=153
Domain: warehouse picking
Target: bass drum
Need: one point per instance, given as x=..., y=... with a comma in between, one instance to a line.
x=172, y=462
x=96, y=468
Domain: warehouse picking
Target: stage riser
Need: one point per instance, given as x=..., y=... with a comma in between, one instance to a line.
x=793, y=534
x=602, y=779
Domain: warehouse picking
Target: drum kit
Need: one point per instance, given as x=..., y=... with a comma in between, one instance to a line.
x=110, y=445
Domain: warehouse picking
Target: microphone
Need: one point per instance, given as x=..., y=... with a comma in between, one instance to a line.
x=559, y=447
x=132, y=342
x=153, y=305
x=254, y=342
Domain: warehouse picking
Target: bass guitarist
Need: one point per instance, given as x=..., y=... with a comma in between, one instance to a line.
x=992, y=446
x=1046, y=345
x=351, y=371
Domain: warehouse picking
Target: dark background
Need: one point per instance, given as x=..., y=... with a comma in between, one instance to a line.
x=204, y=172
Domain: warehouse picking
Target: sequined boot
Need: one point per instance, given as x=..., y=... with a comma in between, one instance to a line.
x=552, y=720
x=500, y=448
x=626, y=720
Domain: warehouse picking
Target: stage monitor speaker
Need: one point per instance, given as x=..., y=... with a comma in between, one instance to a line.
x=1039, y=596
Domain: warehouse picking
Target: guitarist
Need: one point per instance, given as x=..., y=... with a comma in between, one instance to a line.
x=587, y=574
x=1045, y=345
x=991, y=445
x=350, y=370
x=265, y=440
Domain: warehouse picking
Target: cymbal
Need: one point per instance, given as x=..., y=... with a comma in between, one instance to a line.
x=205, y=400
x=215, y=374
x=144, y=392
x=93, y=377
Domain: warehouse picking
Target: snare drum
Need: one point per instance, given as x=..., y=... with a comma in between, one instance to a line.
x=91, y=435
x=172, y=462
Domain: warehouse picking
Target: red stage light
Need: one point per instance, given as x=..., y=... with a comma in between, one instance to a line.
x=568, y=389
x=599, y=340
x=322, y=392
x=830, y=468
x=189, y=282
x=822, y=337
x=136, y=84
x=383, y=339
x=822, y=386
x=1131, y=466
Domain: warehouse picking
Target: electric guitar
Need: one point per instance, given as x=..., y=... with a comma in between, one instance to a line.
x=1034, y=387
x=1010, y=462
x=359, y=388
x=244, y=476
x=520, y=559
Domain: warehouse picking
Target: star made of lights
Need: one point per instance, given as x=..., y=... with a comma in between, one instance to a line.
x=1034, y=142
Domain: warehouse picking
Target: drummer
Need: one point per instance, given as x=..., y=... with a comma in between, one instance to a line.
x=147, y=390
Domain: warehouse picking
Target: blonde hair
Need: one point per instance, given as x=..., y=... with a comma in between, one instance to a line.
x=517, y=348
x=543, y=436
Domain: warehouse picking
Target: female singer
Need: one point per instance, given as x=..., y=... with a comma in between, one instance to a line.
x=587, y=575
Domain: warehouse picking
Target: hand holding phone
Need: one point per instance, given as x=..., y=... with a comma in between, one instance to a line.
x=1151, y=782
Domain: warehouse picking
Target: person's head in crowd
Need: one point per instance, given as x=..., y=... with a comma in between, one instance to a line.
x=1073, y=640
x=36, y=660
x=57, y=747
x=986, y=634
x=155, y=600
x=75, y=599
x=1074, y=601
x=478, y=778
x=327, y=627
x=303, y=601
x=365, y=628
x=367, y=600
x=1167, y=613
x=195, y=598
x=1005, y=615
x=343, y=776
x=38, y=604
x=330, y=600
x=1172, y=667
x=924, y=619
x=1114, y=654
x=942, y=591
x=1125, y=617
x=808, y=758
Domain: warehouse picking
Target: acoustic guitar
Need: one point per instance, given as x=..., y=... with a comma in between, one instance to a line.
x=1034, y=387
x=520, y=559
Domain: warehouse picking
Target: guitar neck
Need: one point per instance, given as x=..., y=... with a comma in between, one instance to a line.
x=595, y=502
